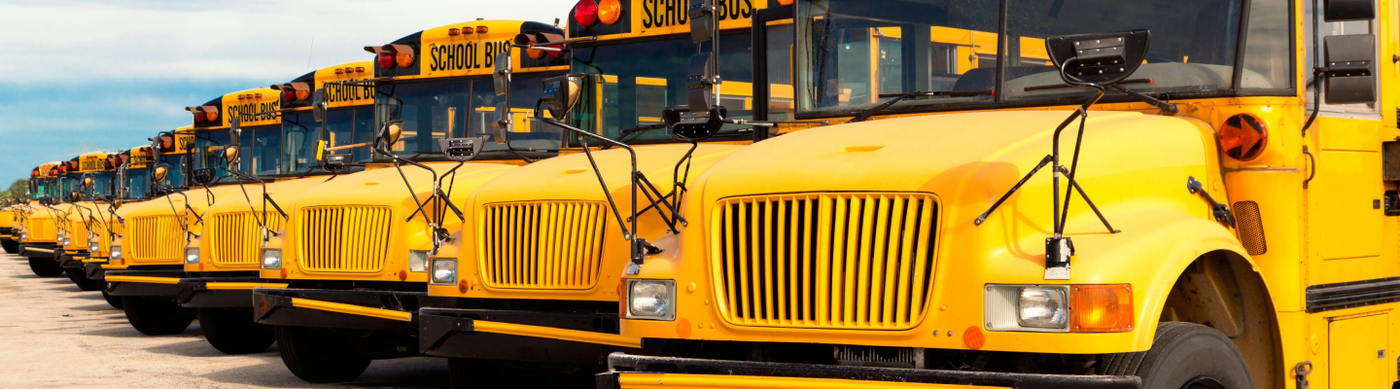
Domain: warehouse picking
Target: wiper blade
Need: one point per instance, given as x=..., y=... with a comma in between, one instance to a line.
x=1067, y=86
x=1169, y=108
x=898, y=97
x=643, y=128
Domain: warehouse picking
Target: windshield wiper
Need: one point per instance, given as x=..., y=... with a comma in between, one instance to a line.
x=1169, y=108
x=898, y=97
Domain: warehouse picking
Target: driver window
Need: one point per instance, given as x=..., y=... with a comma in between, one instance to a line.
x=1326, y=29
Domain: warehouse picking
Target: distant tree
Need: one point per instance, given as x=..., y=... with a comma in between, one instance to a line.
x=16, y=190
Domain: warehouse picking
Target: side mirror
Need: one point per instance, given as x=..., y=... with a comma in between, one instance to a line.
x=75, y=196
x=318, y=105
x=1351, y=68
x=1345, y=10
x=501, y=81
x=159, y=173
x=117, y=203
x=561, y=94
x=1099, y=58
x=391, y=132
x=230, y=155
x=88, y=182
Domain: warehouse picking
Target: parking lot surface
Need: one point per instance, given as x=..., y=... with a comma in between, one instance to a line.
x=54, y=335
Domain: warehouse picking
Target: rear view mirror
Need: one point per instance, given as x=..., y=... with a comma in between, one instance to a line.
x=561, y=94
x=318, y=105
x=230, y=156
x=1351, y=68
x=1344, y=10
x=391, y=132
x=88, y=182
x=75, y=197
x=1099, y=58
x=501, y=80
x=159, y=173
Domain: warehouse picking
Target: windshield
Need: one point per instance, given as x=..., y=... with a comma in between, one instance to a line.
x=434, y=110
x=629, y=85
x=849, y=52
x=260, y=150
x=346, y=127
x=138, y=183
x=208, y=151
x=101, y=185
x=174, y=170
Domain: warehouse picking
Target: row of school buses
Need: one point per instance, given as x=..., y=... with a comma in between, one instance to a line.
x=784, y=193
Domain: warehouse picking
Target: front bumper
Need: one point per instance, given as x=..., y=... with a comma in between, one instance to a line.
x=347, y=309
x=145, y=282
x=72, y=260
x=39, y=250
x=521, y=336
x=233, y=290
x=7, y=234
x=94, y=269
x=634, y=371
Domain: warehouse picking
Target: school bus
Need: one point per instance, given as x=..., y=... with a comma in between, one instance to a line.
x=9, y=239
x=348, y=304
x=533, y=282
x=1225, y=199
x=147, y=261
x=131, y=184
x=40, y=237
x=90, y=215
x=221, y=267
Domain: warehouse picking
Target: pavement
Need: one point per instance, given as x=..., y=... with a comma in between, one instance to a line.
x=54, y=335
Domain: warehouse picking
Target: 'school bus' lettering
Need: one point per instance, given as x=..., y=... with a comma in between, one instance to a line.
x=465, y=56
x=255, y=112
x=666, y=13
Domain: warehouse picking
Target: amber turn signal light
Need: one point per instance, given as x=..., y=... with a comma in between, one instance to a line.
x=1101, y=308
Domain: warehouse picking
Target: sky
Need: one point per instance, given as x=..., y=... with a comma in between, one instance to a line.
x=80, y=76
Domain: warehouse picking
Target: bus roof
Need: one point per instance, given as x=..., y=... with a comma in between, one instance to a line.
x=461, y=49
x=301, y=89
x=252, y=107
x=652, y=18
x=94, y=162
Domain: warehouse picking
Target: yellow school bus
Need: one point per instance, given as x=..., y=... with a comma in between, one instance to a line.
x=90, y=216
x=221, y=267
x=40, y=238
x=158, y=231
x=9, y=217
x=533, y=282
x=346, y=304
x=131, y=184
x=1182, y=245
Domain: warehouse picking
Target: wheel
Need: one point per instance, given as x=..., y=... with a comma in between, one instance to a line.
x=466, y=373
x=45, y=267
x=11, y=246
x=232, y=331
x=1186, y=356
x=318, y=357
x=79, y=278
x=114, y=301
x=156, y=317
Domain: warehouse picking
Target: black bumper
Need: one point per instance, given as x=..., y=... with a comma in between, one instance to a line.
x=39, y=250
x=145, y=289
x=620, y=363
x=275, y=307
x=445, y=332
x=195, y=292
x=72, y=260
x=7, y=234
x=94, y=270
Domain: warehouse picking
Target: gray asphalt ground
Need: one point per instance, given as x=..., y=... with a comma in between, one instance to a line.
x=53, y=335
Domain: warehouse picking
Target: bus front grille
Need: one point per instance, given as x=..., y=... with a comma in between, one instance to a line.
x=155, y=240
x=344, y=239
x=824, y=260
x=542, y=245
x=238, y=239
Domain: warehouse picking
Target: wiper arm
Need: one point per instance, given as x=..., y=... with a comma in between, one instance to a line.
x=1162, y=105
x=898, y=97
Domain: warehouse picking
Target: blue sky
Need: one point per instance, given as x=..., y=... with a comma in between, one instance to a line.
x=80, y=76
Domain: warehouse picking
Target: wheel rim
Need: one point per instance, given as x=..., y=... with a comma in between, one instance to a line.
x=1203, y=383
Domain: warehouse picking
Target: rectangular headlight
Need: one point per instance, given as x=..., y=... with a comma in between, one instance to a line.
x=651, y=299
x=417, y=261
x=94, y=246
x=272, y=259
x=191, y=255
x=444, y=271
x=1027, y=308
x=116, y=253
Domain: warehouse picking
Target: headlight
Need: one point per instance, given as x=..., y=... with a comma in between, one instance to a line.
x=1027, y=308
x=94, y=246
x=651, y=299
x=116, y=253
x=417, y=261
x=191, y=255
x=272, y=259
x=444, y=271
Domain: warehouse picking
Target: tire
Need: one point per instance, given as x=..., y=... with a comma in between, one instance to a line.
x=10, y=246
x=464, y=373
x=1185, y=355
x=156, y=317
x=114, y=301
x=318, y=357
x=45, y=267
x=79, y=278
x=232, y=331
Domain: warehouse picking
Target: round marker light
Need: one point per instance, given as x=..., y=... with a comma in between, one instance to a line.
x=609, y=11
x=199, y=117
x=214, y=115
x=303, y=94
x=1243, y=137
x=288, y=95
x=386, y=61
x=403, y=59
x=556, y=54
x=586, y=13
x=534, y=53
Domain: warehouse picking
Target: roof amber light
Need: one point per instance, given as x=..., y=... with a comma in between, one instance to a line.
x=482, y=29
x=358, y=69
x=339, y=71
x=1243, y=137
x=586, y=13
x=403, y=59
x=468, y=30
x=609, y=11
x=213, y=114
x=784, y=2
x=534, y=53
x=1101, y=308
x=454, y=31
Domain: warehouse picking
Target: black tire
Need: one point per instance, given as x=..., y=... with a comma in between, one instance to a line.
x=114, y=301
x=11, y=246
x=319, y=357
x=80, y=279
x=156, y=317
x=1185, y=355
x=45, y=267
x=232, y=331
